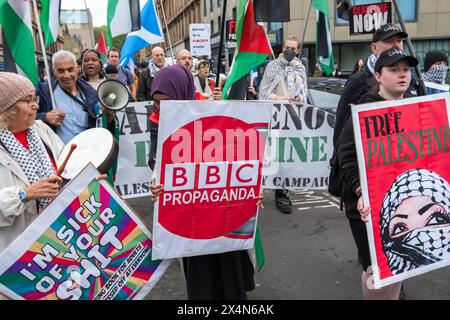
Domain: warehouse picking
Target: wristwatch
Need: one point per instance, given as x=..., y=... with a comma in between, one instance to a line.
x=22, y=195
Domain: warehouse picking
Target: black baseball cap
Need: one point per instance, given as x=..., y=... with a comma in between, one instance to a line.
x=392, y=56
x=432, y=57
x=386, y=31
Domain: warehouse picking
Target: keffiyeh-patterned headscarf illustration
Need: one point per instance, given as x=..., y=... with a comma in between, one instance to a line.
x=421, y=246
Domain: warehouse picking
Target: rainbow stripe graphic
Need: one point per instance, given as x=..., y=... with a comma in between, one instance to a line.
x=119, y=273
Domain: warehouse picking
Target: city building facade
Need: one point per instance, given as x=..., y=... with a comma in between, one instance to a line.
x=425, y=23
x=79, y=25
x=175, y=17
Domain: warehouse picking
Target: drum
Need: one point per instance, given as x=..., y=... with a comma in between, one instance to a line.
x=96, y=145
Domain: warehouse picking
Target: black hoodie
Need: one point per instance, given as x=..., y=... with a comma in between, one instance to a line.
x=348, y=162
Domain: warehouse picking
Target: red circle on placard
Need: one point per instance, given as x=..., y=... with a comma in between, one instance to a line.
x=209, y=220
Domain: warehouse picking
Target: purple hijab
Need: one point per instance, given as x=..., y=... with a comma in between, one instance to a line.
x=174, y=81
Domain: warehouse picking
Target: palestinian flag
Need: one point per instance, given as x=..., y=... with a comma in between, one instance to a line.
x=252, y=49
x=17, y=26
x=101, y=46
x=50, y=20
x=123, y=16
x=324, y=49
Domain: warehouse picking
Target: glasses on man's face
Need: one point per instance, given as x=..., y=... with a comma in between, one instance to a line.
x=31, y=101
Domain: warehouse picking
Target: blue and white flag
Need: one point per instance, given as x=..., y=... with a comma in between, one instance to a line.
x=150, y=33
x=435, y=88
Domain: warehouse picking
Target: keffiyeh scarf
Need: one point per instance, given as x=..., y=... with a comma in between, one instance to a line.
x=34, y=162
x=371, y=61
x=153, y=68
x=436, y=74
x=421, y=246
x=290, y=71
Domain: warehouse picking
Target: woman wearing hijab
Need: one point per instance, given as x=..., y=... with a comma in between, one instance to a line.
x=28, y=150
x=170, y=83
x=415, y=221
x=223, y=276
x=393, y=76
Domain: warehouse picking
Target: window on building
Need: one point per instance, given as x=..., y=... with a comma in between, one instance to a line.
x=212, y=27
x=219, y=23
x=274, y=26
x=205, y=11
x=408, y=8
x=234, y=13
x=210, y=5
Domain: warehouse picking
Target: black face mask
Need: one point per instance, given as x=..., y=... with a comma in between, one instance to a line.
x=289, y=54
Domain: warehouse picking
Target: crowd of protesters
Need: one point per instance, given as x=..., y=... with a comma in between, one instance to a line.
x=72, y=107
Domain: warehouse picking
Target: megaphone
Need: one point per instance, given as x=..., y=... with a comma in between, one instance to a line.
x=113, y=94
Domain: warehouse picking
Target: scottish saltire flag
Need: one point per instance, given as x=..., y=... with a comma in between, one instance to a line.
x=150, y=33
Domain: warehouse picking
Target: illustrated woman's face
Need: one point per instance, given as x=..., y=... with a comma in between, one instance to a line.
x=415, y=213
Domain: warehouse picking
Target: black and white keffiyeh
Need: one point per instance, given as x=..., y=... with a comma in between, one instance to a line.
x=371, y=62
x=153, y=68
x=294, y=74
x=34, y=162
x=436, y=74
x=421, y=246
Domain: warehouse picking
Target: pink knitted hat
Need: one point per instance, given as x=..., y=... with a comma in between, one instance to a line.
x=13, y=87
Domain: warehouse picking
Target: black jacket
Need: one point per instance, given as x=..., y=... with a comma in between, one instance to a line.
x=356, y=87
x=348, y=162
x=145, y=81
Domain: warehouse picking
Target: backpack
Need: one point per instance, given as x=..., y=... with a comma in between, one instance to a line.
x=336, y=179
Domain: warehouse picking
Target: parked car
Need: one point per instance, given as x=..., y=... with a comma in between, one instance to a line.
x=325, y=92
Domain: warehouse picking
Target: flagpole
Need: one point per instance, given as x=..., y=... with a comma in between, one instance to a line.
x=222, y=36
x=410, y=47
x=167, y=28
x=304, y=31
x=44, y=53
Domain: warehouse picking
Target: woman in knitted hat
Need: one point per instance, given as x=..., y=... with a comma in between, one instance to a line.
x=28, y=149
